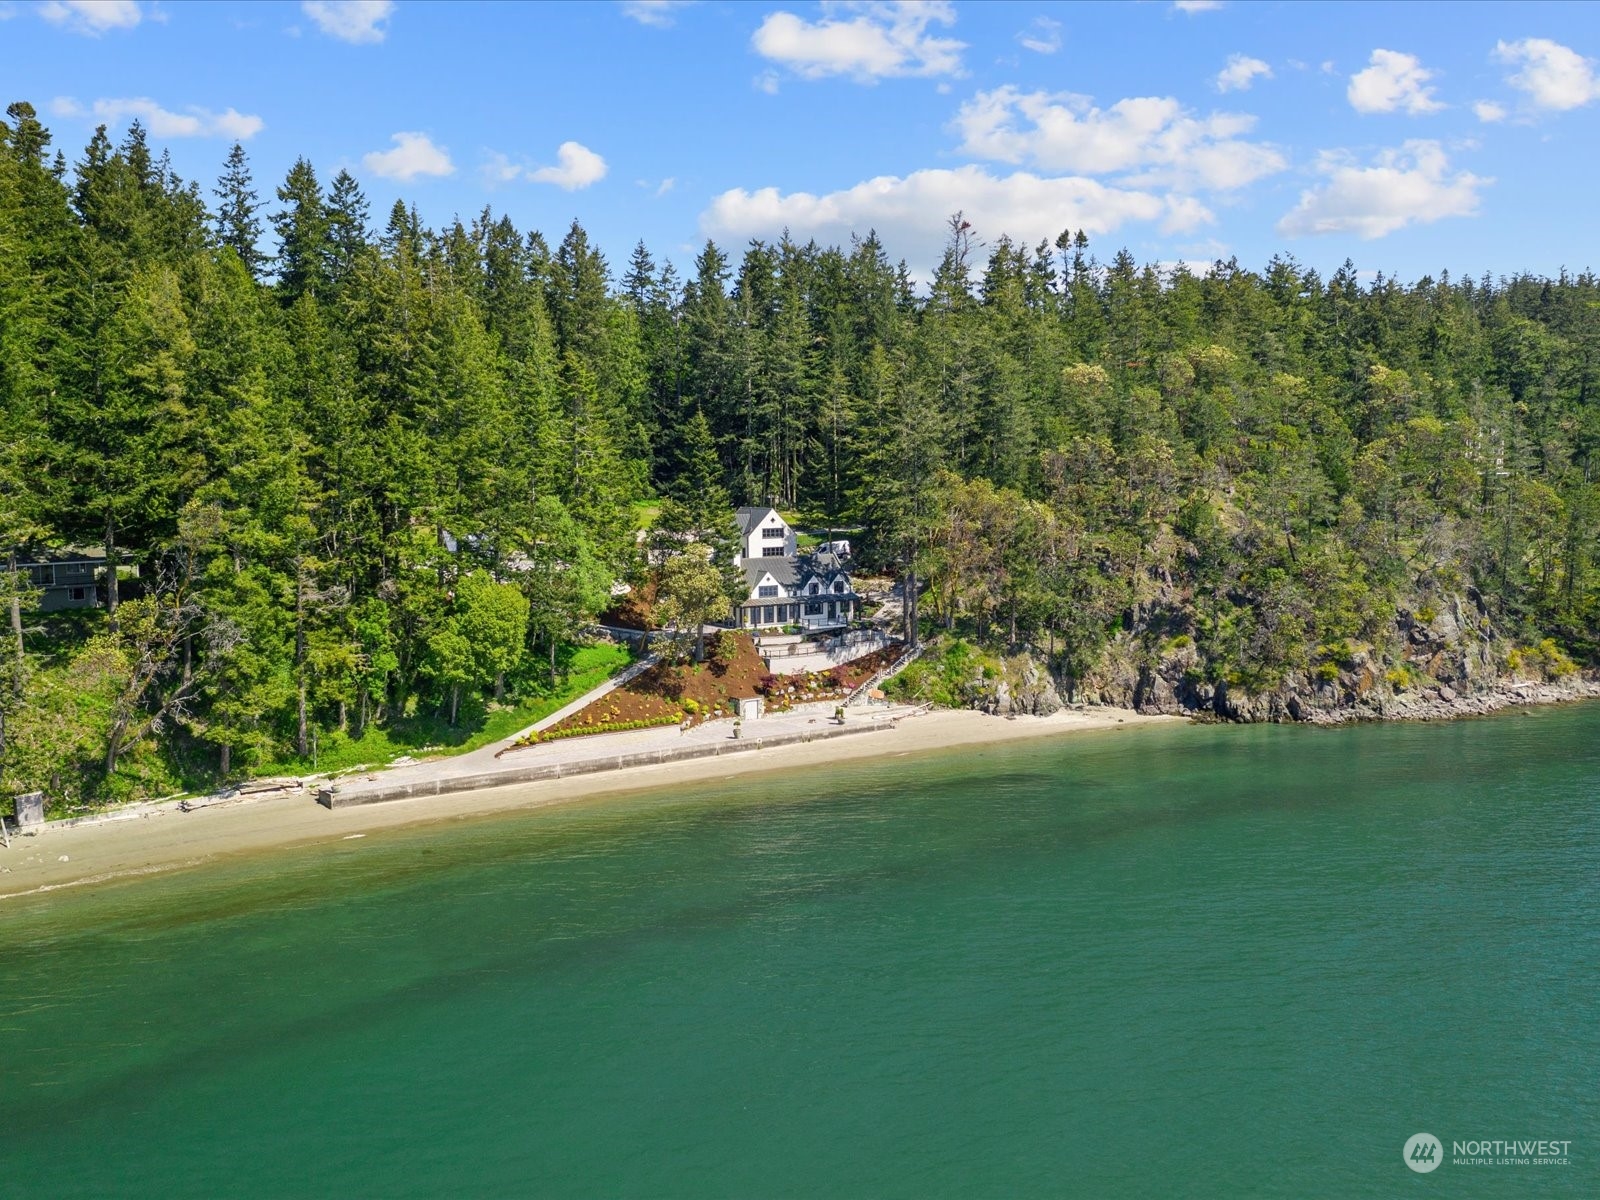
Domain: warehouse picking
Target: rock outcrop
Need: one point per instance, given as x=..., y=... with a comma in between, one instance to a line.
x=1437, y=663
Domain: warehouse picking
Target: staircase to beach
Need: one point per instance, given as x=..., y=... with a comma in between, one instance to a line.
x=864, y=692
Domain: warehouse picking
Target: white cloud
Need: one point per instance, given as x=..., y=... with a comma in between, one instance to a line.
x=882, y=39
x=1408, y=186
x=358, y=21
x=92, y=17
x=194, y=121
x=1553, y=76
x=658, y=13
x=1393, y=80
x=766, y=82
x=1191, y=7
x=578, y=167
x=1488, y=111
x=665, y=186
x=1152, y=140
x=500, y=169
x=1241, y=72
x=413, y=154
x=1043, y=36
x=912, y=212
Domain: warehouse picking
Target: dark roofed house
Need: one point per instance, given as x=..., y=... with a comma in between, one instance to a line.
x=813, y=592
x=65, y=578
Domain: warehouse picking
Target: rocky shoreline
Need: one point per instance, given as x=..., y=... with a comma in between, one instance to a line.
x=1434, y=665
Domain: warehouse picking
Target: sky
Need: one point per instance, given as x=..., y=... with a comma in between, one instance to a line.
x=1409, y=139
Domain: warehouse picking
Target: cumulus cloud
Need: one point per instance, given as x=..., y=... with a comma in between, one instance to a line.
x=576, y=167
x=193, y=121
x=1393, y=81
x=882, y=39
x=1553, y=76
x=658, y=13
x=1043, y=36
x=1412, y=185
x=92, y=17
x=413, y=155
x=500, y=169
x=1488, y=111
x=1240, y=72
x=361, y=22
x=912, y=212
x=1152, y=140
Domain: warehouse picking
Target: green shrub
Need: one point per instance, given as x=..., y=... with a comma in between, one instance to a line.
x=1327, y=672
x=1547, y=657
x=1401, y=676
x=551, y=735
x=1341, y=654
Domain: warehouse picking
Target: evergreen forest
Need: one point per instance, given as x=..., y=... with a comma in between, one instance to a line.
x=350, y=472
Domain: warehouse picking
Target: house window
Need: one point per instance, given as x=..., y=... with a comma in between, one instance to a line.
x=773, y=533
x=766, y=615
x=76, y=593
x=814, y=607
x=767, y=589
x=815, y=587
x=772, y=552
x=838, y=586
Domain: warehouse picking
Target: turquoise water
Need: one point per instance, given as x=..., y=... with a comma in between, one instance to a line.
x=1158, y=962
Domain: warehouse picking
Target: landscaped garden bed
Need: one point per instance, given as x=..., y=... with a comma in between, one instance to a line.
x=671, y=692
x=836, y=683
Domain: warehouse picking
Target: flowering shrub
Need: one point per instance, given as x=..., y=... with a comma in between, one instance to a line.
x=551, y=735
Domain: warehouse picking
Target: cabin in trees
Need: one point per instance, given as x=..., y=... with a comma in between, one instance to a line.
x=812, y=591
x=63, y=578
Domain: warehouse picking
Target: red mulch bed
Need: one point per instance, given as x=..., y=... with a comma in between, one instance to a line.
x=662, y=690
x=724, y=676
x=785, y=691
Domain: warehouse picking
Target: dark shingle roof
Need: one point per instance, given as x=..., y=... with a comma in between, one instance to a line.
x=781, y=569
x=749, y=518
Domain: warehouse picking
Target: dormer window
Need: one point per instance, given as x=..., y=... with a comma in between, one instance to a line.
x=838, y=586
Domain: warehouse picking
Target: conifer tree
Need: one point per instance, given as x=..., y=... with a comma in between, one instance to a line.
x=303, y=236
x=237, y=224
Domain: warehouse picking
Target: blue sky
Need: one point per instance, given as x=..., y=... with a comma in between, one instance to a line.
x=1407, y=138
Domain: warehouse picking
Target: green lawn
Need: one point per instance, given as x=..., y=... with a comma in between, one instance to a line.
x=430, y=736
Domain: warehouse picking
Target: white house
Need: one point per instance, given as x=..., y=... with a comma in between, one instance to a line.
x=764, y=534
x=786, y=588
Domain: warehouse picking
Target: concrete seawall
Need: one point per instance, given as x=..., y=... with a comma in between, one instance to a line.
x=346, y=795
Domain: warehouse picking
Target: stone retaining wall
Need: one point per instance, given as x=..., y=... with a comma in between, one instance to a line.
x=339, y=795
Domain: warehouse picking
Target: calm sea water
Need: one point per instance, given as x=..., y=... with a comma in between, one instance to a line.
x=1173, y=962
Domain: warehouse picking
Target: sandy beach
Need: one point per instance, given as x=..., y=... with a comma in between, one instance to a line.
x=167, y=839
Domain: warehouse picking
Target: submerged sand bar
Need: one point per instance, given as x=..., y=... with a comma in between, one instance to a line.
x=164, y=838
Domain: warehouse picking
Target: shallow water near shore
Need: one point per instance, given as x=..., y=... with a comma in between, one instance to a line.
x=1187, y=961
